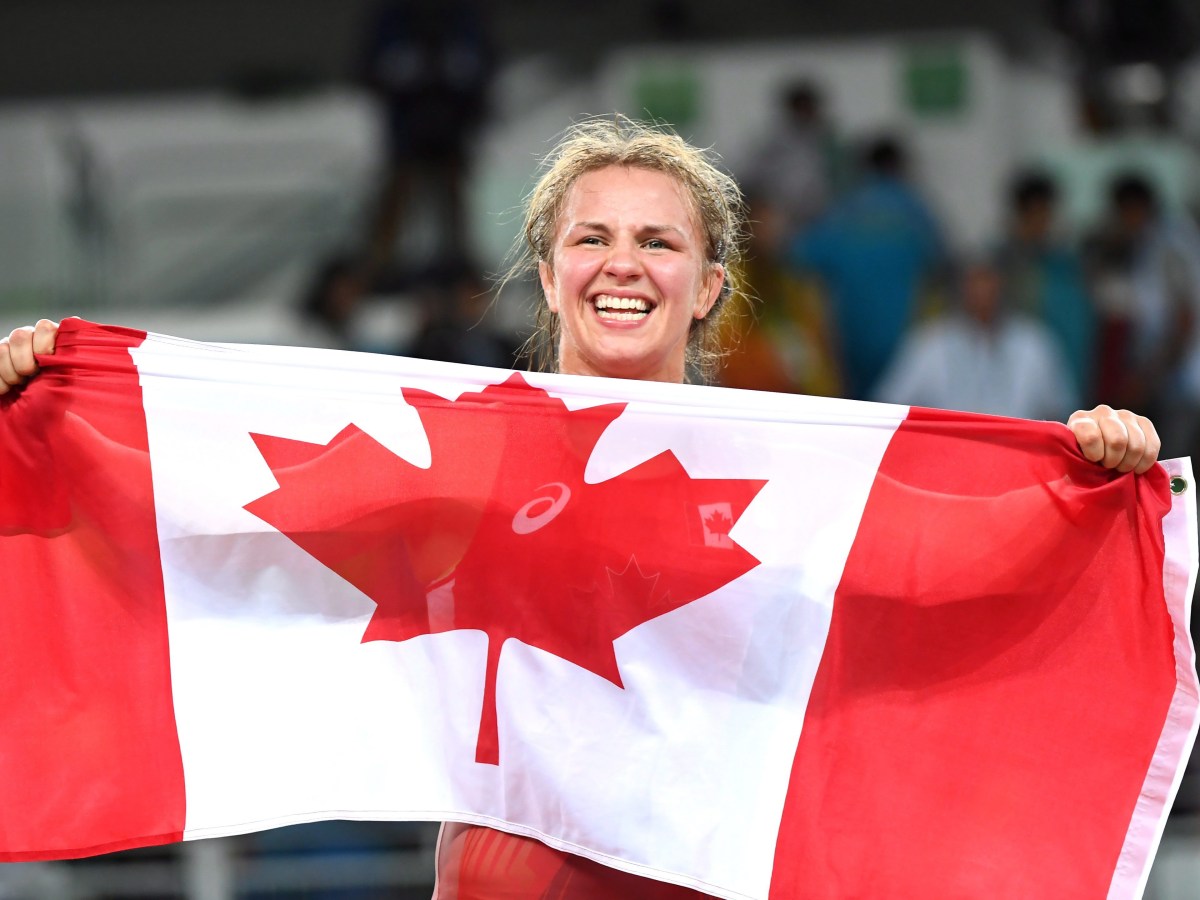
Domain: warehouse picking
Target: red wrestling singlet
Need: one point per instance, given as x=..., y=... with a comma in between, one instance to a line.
x=476, y=863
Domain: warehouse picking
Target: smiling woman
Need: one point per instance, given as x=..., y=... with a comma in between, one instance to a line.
x=635, y=236
x=627, y=276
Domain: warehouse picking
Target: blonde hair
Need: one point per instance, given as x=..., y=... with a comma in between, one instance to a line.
x=620, y=141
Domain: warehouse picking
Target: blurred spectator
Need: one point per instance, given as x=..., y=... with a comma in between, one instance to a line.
x=454, y=300
x=783, y=341
x=1127, y=55
x=873, y=250
x=429, y=63
x=1144, y=264
x=333, y=298
x=982, y=357
x=795, y=169
x=1044, y=274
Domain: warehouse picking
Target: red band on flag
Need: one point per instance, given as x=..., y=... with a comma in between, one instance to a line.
x=88, y=748
x=987, y=717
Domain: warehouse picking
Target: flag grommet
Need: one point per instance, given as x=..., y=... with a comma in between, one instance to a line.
x=1178, y=484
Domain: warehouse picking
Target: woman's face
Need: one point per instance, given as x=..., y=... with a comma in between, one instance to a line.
x=628, y=275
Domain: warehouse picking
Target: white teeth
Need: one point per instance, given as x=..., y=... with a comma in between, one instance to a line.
x=615, y=307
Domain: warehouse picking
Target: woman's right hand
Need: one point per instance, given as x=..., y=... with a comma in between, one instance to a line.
x=17, y=351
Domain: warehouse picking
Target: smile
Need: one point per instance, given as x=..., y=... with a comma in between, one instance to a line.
x=625, y=309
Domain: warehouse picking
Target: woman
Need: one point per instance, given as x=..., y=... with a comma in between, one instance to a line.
x=633, y=234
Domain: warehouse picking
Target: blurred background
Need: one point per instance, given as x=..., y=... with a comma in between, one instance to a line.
x=988, y=206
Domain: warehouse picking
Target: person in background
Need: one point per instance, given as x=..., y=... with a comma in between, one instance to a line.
x=1044, y=274
x=429, y=65
x=782, y=341
x=332, y=300
x=797, y=168
x=1108, y=39
x=874, y=251
x=454, y=300
x=982, y=357
x=1144, y=266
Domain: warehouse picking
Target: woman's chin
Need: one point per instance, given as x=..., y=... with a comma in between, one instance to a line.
x=637, y=367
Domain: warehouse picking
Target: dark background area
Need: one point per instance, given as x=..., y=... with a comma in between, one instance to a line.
x=73, y=48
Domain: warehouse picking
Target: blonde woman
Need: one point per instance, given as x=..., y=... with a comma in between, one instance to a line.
x=634, y=235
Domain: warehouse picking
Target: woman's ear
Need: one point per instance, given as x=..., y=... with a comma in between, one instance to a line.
x=549, y=287
x=714, y=280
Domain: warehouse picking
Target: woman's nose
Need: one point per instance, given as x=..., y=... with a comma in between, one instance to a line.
x=622, y=260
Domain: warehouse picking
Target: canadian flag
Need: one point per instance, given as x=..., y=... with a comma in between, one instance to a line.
x=765, y=646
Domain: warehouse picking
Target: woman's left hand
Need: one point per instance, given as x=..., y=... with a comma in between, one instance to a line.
x=1116, y=438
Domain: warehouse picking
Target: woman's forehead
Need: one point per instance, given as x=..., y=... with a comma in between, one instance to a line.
x=628, y=194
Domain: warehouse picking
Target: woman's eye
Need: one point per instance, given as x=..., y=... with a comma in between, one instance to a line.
x=590, y=240
x=655, y=244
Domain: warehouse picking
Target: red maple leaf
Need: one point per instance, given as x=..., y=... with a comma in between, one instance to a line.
x=719, y=523
x=501, y=533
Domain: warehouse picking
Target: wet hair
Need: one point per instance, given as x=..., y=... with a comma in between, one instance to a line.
x=618, y=141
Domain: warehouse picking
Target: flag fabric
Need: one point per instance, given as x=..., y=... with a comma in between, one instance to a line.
x=765, y=646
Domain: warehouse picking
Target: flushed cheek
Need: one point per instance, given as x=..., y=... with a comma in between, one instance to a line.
x=568, y=292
